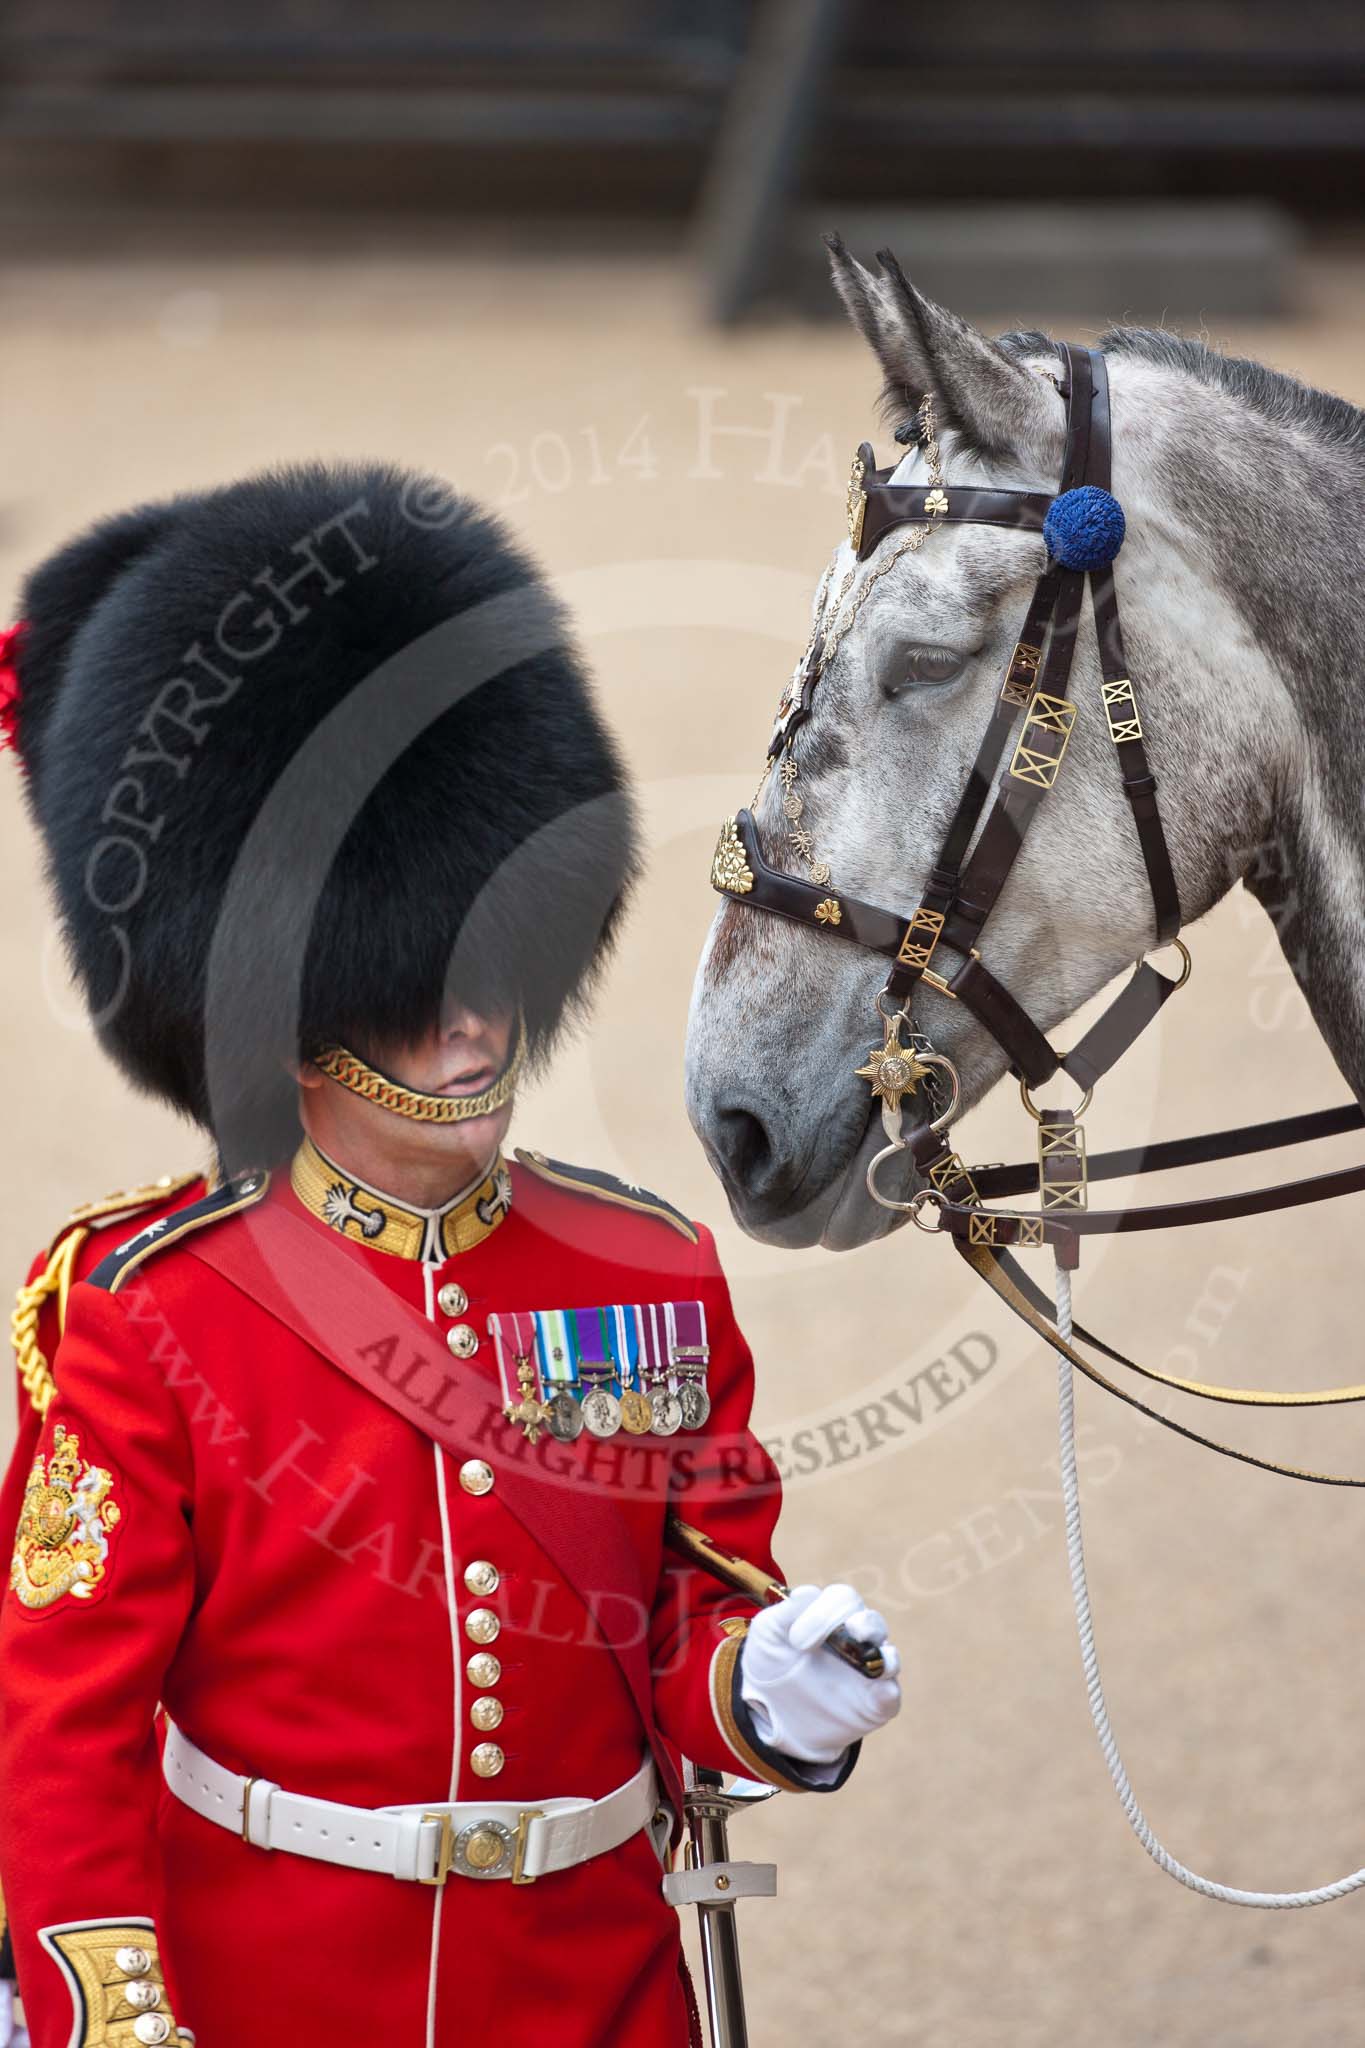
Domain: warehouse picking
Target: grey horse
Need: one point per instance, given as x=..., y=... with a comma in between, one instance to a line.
x=1242, y=586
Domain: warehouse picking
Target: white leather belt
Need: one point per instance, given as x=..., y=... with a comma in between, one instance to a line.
x=492, y=1839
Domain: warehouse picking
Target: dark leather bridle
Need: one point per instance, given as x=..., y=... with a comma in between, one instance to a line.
x=965, y=884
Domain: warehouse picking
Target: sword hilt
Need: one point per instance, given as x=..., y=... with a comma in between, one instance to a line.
x=703, y=1550
x=864, y=1657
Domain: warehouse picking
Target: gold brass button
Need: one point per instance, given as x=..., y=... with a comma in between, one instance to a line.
x=476, y=1476
x=483, y=1849
x=481, y=1576
x=483, y=1669
x=486, y=1714
x=452, y=1300
x=481, y=1625
x=486, y=1759
x=134, y=1962
x=463, y=1340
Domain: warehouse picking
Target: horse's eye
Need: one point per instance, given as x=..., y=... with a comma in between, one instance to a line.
x=921, y=668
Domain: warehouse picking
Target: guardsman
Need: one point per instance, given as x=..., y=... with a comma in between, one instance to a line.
x=345, y=1665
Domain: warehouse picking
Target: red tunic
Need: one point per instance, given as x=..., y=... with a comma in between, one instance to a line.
x=280, y=1559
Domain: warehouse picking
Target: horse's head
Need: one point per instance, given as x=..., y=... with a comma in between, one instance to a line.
x=922, y=632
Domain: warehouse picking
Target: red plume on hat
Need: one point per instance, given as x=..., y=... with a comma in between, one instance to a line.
x=9, y=687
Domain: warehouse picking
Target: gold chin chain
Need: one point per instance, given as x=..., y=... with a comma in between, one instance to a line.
x=349, y=1071
x=820, y=651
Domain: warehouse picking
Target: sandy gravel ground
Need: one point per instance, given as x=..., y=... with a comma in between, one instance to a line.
x=975, y=1885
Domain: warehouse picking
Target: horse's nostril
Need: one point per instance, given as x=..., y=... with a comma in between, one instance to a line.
x=743, y=1146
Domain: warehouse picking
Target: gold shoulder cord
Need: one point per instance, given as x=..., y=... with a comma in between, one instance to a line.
x=56, y=1278
x=34, y=1370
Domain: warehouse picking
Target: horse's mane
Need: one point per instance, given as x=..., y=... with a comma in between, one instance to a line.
x=1278, y=397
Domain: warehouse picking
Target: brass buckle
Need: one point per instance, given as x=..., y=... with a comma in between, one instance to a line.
x=246, y=1811
x=445, y=1849
x=523, y=1836
x=936, y=981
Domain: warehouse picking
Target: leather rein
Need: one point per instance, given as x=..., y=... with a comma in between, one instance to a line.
x=1083, y=528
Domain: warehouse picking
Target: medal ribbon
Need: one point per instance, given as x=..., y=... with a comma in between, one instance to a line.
x=589, y=1328
x=642, y=1345
x=628, y=1347
x=606, y=1323
x=555, y=1348
x=687, y=1331
x=508, y=1347
x=653, y=1357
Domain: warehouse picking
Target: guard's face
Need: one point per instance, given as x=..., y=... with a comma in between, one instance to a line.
x=464, y=1056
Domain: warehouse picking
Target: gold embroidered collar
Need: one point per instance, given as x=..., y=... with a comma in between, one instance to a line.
x=368, y=1216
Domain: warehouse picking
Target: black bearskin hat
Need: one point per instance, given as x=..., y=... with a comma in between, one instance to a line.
x=309, y=753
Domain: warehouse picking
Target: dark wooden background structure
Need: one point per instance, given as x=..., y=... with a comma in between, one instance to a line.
x=719, y=114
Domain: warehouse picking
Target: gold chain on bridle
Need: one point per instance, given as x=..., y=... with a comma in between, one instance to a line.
x=792, y=803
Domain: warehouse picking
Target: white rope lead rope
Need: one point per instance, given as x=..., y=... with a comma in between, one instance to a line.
x=1099, y=1712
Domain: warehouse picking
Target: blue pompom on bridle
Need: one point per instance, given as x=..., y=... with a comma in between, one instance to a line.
x=1084, y=528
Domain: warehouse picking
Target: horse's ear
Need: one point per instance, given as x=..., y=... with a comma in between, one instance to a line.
x=993, y=401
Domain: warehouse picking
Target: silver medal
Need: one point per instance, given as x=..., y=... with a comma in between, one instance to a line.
x=564, y=1417
x=695, y=1404
x=601, y=1412
x=668, y=1413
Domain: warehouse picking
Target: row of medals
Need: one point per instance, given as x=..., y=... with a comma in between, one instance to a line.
x=660, y=1412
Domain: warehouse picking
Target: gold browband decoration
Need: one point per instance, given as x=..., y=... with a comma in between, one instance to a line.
x=855, y=501
x=730, y=870
x=348, y=1071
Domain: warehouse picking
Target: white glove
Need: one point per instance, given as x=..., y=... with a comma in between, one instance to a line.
x=805, y=1701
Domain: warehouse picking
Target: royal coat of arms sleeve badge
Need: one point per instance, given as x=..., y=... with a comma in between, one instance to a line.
x=61, y=1545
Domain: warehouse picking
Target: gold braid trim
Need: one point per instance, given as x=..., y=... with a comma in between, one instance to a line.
x=118, y=1991
x=350, y=1071
x=722, y=1706
x=34, y=1370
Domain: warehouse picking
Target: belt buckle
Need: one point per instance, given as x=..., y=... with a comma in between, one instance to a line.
x=522, y=1839
x=445, y=1849
x=450, y=1847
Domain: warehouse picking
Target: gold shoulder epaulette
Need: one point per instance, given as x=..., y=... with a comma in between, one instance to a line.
x=35, y=1372
x=587, y=1180
x=125, y=1202
x=230, y=1196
